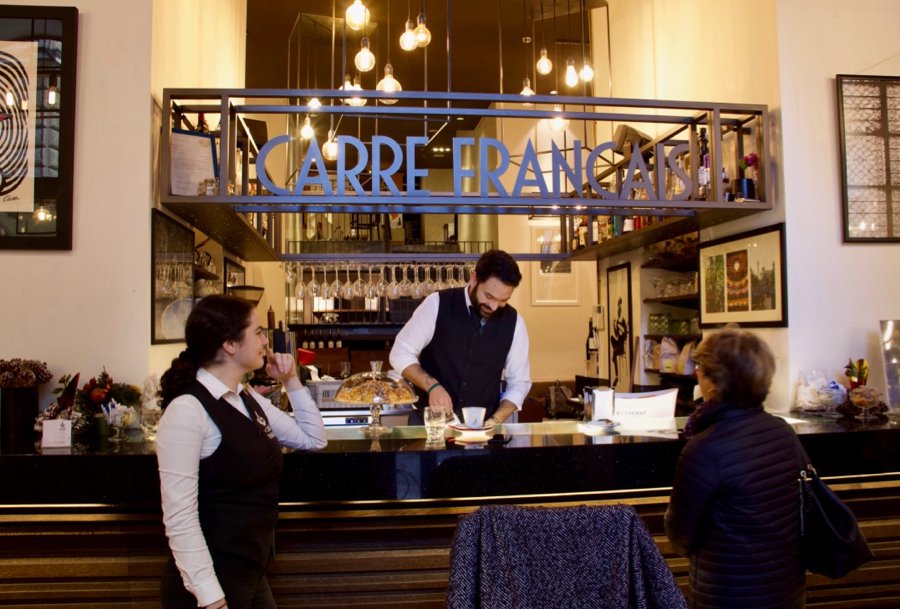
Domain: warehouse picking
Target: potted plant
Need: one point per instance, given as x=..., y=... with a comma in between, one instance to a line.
x=19, y=382
x=745, y=186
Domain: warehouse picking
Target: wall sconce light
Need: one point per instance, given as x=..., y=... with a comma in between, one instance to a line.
x=357, y=15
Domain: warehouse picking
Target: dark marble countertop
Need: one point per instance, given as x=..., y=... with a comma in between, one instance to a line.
x=528, y=461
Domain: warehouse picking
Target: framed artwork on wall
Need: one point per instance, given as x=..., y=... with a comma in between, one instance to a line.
x=868, y=114
x=553, y=282
x=38, y=56
x=621, y=330
x=743, y=280
x=172, y=290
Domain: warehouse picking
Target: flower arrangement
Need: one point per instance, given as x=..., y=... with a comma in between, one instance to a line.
x=93, y=400
x=751, y=162
x=18, y=372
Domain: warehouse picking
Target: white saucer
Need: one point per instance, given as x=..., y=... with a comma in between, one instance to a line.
x=471, y=430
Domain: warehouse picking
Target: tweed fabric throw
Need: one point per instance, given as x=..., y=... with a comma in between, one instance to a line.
x=510, y=557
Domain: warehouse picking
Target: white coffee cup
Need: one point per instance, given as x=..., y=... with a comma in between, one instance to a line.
x=473, y=416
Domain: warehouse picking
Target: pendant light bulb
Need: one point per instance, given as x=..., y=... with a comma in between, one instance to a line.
x=408, y=38
x=587, y=72
x=544, y=65
x=314, y=103
x=357, y=15
x=423, y=35
x=558, y=124
x=357, y=101
x=571, y=74
x=364, y=59
x=388, y=84
x=51, y=96
x=347, y=86
x=330, y=147
x=306, y=131
x=527, y=91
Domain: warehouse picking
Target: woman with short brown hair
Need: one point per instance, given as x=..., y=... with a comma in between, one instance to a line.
x=735, y=504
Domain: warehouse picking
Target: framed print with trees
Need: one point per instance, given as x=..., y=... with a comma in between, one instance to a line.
x=743, y=280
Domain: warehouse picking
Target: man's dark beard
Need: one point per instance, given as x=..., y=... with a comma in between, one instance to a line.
x=478, y=304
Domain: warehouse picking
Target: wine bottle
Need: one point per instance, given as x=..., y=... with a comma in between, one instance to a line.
x=339, y=344
x=330, y=340
x=703, y=167
x=590, y=344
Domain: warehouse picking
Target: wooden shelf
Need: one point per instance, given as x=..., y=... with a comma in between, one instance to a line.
x=681, y=264
x=202, y=273
x=660, y=231
x=672, y=375
x=688, y=301
x=230, y=228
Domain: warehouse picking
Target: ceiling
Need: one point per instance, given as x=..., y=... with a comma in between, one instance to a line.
x=289, y=45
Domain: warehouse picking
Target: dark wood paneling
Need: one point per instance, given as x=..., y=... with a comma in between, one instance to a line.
x=85, y=559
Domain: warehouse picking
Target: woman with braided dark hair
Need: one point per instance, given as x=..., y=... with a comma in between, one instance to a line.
x=219, y=452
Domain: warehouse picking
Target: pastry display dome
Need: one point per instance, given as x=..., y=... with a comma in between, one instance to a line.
x=375, y=387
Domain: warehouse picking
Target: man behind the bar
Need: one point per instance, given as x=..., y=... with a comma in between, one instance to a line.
x=458, y=343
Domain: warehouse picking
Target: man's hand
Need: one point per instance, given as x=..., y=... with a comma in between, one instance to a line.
x=441, y=399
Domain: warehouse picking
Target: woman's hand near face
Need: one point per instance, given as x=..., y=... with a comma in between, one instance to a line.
x=282, y=368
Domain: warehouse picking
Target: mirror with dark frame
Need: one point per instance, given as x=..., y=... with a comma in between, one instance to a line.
x=38, y=47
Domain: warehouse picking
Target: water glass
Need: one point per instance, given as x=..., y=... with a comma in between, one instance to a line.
x=435, y=422
x=150, y=421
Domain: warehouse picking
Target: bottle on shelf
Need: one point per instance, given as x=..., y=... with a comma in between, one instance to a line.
x=703, y=167
x=305, y=343
x=582, y=232
x=330, y=340
x=339, y=344
x=627, y=224
x=270, y=318
x=320, y=344
x=590, y=344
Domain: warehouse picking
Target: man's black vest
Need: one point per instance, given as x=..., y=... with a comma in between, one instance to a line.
x=466, y=356
x=238, y=487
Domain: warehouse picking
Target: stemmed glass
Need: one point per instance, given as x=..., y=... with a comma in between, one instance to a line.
x=301, y=287
x=440, y=285
x=347, y=288
x=405, y=285
x=312, y=287
x=371, y=290
x=336, y=286
x=120, y=420
x=326, y=287
x=417, y=290
x=393, y=288
x=359, y=287
x=428, y=285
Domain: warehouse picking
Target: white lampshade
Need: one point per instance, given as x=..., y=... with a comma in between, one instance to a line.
x=330, y=147
x=544, y=65
x=357, y=15
x=587, y=72
x=307, y=131
x=408, y=38
x=558, y=123
x=571, y=74
x=423, y=35
x=364, y=59
x=388, y=84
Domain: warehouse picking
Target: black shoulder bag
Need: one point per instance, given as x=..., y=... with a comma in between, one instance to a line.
x=831, y=542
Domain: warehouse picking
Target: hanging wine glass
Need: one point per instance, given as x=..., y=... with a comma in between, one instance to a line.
x=359, y=286
x=381, y=286
x=440, y=285
x=417, y=290
x=290, y=274
x=300, y=292
x=347, y=288
x=336, y=285
x=428, y=285
x=313, y=287
x=371, y=287
x=393, y=288
x=326, y=287
x=405, y=284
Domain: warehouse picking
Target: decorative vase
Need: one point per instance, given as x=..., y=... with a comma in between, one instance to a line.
x=18, y=410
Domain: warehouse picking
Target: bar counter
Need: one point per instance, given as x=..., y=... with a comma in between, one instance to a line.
x=369, y=521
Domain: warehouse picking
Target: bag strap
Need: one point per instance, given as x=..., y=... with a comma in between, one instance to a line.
x=807, y=473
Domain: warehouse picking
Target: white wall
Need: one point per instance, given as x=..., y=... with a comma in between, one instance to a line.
x=838, y=292
x=89, y=308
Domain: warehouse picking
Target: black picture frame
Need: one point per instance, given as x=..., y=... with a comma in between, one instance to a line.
x=619, y=323
x=48, y=226
x=743, y=279
x=866, y=112
x=172, y=278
